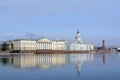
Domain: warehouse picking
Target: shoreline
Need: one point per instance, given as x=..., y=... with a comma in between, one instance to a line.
x=2, y=53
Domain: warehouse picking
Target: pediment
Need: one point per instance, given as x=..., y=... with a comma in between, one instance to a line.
x=44, y=40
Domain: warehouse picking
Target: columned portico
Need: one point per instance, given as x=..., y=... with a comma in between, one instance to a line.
x=44, y=44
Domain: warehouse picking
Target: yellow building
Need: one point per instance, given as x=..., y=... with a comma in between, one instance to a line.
x=22, y=44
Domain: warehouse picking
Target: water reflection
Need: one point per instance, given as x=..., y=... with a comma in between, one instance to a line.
x=4, y=60
x=46, y=61
x=24, y=61
x=103, y=54
x=49, y=60
x=79, y=59
x=61, y=66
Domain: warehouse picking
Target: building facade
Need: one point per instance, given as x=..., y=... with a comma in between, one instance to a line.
x=1, y=45
x=24, y=44
x=44, y=44
x=47, y=44
x=79, y=45
x=78, y=38
x=59, y=45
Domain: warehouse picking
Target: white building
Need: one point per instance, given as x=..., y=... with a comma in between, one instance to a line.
x=46, y=44
x=59, y=45
x=24, y=44
x=79, y=45
x=78, y=38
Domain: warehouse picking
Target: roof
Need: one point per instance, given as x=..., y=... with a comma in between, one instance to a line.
x=60, y=40
x=24, y=40
x=44, y=40
x=49, y=40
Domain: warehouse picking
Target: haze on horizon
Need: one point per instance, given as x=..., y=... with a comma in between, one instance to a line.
x=95, y=19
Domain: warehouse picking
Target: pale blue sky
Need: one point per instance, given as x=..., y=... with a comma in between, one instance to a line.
x=96, y=19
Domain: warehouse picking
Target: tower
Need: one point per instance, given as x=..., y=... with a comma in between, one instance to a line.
x=103, y=43
x=78, y=38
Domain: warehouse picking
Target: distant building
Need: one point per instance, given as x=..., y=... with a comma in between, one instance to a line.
x=47, y=44
x=118, y=49
x=7, y=45
x=44, y=44
x=78, y=38
x=59, y=45
x=24, y=44
x=79, y=45
x=103, y=46
x=1, y=45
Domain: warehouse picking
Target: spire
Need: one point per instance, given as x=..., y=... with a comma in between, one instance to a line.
x=78, y=31
x=78, y=38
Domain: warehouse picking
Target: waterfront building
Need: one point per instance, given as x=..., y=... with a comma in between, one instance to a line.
x=103, y=47
x=9, y=45
x=47, y=44
x=1, y=45
x=4, y=46
x=79, y=44
x=78, y=38
x=24, y=44
x=44, y=44
x=59, y=45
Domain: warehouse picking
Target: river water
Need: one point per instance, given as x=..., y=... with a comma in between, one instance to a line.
x=102, y=66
